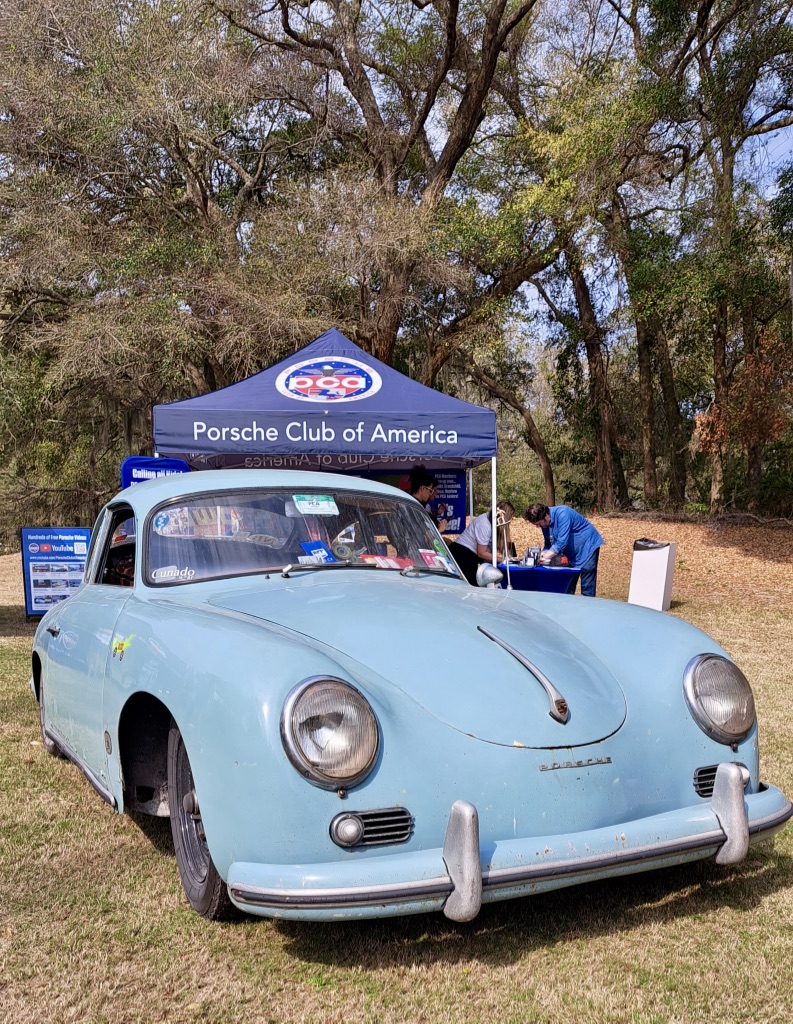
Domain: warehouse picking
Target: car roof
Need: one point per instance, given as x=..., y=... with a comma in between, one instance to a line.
x=144, y=496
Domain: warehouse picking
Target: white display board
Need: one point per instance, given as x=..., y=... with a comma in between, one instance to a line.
x=651, y=577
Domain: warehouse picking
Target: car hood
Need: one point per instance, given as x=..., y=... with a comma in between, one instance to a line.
x=423, y=637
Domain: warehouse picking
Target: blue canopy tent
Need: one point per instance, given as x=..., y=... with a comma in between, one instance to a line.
x=330, y=406
x=333, y=400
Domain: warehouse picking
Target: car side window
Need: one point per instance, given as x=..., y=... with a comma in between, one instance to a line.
x=118, y=554
x=96, y=548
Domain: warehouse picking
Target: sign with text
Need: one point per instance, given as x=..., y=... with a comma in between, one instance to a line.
x=137, y=469
x=53, y=564
x=448, y=505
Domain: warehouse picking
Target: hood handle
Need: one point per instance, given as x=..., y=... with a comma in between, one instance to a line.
x=559, y=710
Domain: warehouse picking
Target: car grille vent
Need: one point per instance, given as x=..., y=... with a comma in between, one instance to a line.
x=705, y=778
x=383, y=827
x=390, y=825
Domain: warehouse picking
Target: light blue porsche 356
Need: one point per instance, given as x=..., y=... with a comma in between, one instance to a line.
x=292, y=667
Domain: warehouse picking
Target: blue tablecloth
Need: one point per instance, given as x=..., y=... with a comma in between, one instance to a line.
x=539, y=577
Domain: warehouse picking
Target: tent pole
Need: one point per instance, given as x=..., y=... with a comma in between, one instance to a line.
x=493, y=518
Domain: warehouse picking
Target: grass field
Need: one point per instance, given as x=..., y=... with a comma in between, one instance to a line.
x=95, y=928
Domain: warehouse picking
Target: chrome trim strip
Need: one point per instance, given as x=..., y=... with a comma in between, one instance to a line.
x=361, y=896
x=639, y=854
x=773, y=823
x=76, y=760
x=558, y=705
x=304, y=899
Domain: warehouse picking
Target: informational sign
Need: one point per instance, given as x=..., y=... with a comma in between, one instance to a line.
x=137, y=469
x=53, y=564
x=448, y=505
x=449, y=502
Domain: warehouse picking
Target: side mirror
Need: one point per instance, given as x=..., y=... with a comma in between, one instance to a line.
x=487, y=575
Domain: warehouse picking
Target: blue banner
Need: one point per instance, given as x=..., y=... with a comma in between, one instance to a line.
x=448, y=505
x=53, y=564
x=137, y=469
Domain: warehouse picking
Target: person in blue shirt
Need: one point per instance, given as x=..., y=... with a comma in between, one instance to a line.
x=566, y=532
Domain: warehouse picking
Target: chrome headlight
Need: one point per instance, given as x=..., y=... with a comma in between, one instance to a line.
x=719, y=697
x=329, y=732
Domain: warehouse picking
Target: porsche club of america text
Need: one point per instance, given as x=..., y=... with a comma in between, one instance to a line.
x=300, y=430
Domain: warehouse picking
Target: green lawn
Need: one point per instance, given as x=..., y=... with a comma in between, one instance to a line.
x=95, y=927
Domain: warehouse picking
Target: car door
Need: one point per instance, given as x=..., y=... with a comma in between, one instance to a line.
x=81, y=647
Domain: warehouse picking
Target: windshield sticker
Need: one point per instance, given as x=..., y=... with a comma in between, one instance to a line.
x=385, y=562
x=432, y=559
x=174, y=522
x=315, y=504
x=172, y=572
x=316, y=551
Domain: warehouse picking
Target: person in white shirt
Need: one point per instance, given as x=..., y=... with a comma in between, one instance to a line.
x=473, y=546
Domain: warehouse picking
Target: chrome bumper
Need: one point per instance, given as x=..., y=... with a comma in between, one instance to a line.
x=412, y=882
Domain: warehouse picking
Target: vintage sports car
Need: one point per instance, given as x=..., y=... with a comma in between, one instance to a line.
x=292, y=667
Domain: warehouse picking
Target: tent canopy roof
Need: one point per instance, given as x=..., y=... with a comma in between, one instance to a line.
x=334, y=403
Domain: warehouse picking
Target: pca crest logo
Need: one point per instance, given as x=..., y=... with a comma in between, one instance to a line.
x=329, y=379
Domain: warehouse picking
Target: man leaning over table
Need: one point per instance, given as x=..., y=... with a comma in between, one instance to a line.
x=567, y=532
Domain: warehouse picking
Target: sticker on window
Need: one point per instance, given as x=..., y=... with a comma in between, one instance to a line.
x=316, y=551
x=315, y=504
x=386, y=562
x=169, y=573
x=432, y=559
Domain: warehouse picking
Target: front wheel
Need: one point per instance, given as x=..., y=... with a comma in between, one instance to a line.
x=205, y=889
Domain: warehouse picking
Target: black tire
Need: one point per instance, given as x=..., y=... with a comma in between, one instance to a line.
x=205, y=889
x=49, y=745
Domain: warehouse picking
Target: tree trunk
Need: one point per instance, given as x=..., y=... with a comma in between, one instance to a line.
x=674, y=423
x=609, y=474
x=644, y=351
x=720, y=389
x=534, y=437
x=754, y=449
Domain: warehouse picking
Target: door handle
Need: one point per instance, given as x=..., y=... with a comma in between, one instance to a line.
x=55, y=630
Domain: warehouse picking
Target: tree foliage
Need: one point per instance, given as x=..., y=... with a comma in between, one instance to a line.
x=483, y=194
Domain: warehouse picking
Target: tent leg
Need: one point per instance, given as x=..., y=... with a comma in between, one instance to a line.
x=493, y=517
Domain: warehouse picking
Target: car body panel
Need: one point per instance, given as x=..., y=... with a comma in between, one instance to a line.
x=79, y=658
x=516, y=713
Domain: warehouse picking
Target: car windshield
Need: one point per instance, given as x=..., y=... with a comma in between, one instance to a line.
x=235, y=533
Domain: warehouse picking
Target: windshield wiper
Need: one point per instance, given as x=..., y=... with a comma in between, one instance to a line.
x=311, y=566
x=410, y=570
x=419, y=570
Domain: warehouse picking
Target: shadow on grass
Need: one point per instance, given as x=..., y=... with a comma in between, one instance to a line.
x=156, y=830
x=13, y=622
x=504, y=932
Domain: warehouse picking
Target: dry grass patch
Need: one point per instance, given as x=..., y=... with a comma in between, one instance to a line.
x=95, y=929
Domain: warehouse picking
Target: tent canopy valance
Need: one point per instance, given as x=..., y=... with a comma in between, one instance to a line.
x=330, y=405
